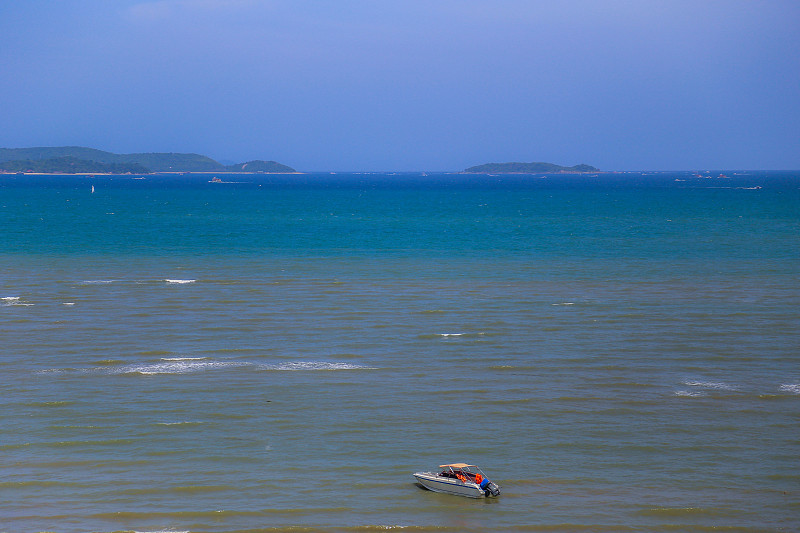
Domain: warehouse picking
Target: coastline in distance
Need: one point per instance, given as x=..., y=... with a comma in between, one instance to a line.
x=529, y=168
x=80, y=160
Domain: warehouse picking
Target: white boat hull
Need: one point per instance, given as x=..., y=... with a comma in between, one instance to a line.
x=437, y=483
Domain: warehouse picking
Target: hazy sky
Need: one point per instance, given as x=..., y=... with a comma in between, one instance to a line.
x=409, y=84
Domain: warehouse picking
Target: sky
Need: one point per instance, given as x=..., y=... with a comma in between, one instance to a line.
x=402, y=85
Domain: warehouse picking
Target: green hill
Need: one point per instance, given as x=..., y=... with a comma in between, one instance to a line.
x=70, y=165
x=261, y=166
x=528, y=168
x=39, y=153
x=173, y=162
x=149, y=162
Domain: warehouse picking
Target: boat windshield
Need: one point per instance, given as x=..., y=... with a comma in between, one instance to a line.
x=459, y=470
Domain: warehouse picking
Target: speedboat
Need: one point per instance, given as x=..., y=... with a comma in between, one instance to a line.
x=460, y=479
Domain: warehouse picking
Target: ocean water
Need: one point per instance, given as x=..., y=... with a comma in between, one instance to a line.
x=618, y=352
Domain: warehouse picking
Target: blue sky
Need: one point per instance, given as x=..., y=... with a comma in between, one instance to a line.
x=409, y=84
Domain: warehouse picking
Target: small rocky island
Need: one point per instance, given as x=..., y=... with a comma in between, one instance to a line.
x=80, y=160
x=529, y=168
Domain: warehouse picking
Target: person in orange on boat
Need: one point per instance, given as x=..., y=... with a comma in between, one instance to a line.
x=478, y=478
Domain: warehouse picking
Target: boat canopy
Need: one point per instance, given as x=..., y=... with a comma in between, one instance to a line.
x=458, y=465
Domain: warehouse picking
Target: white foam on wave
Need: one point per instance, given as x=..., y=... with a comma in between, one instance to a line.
x=179, y=366
x=565, y=303
x=715, y=385
x=98, y=281
x=52, y=371
x=188, y=365
x=794, y=388
x=316, y=365
x=180, y=281
x=14, y=300
x=468, y=335
x=689, y=394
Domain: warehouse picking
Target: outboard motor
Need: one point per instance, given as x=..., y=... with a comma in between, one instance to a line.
x=490, y=488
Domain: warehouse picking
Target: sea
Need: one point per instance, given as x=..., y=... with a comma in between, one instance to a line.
x=265, y=353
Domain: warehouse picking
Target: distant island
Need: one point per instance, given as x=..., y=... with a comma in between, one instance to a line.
x=528, y=168
x=80, y=160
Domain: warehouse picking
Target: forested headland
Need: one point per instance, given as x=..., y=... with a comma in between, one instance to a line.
x=79, y=160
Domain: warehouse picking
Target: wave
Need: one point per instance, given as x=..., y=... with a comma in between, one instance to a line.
x=708, y=388
x=714, y=385
x=13, y=300
x=189, y=489
x=67, y=444
x=177, y=366
x=216, y=515
x=187, y=365
x=511, y=401
x=40, y=483
x=110, y=281
x=689, y=394
x=519, y=368
x=677, y=512
x=619, y=384
x=451, y=335
x=316, y=365
x=162, y=530
x=107, y=362
x=56, y=403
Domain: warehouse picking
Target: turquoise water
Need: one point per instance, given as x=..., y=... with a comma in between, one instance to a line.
x=617, y=352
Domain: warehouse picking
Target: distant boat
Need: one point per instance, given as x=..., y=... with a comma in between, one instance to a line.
x=215, y=180
x=459, y=479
